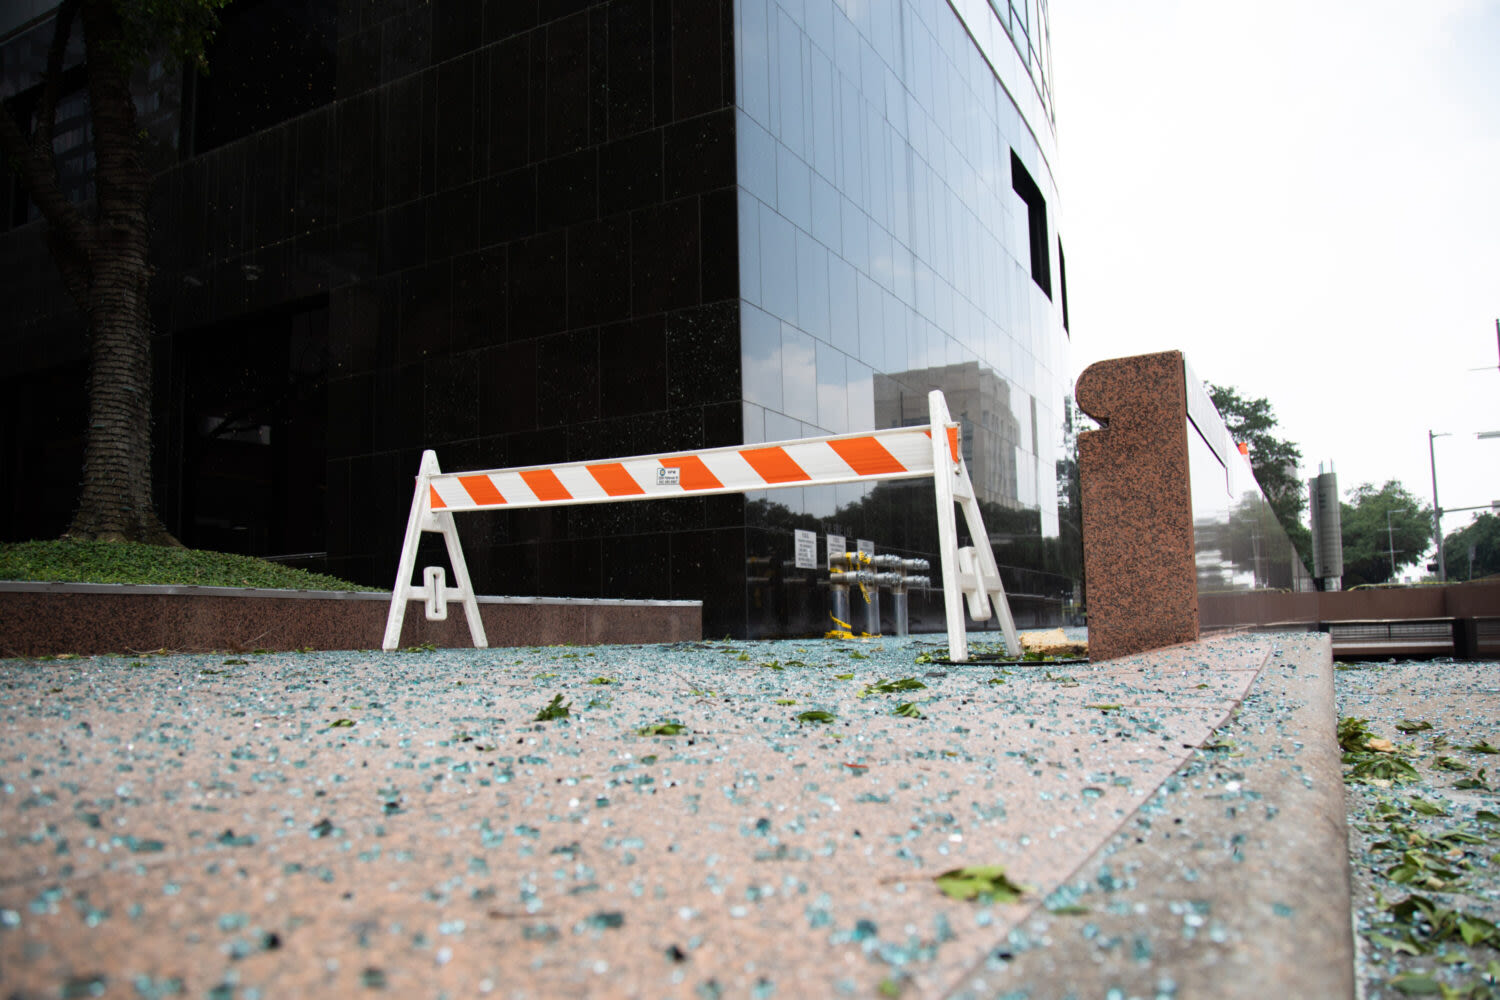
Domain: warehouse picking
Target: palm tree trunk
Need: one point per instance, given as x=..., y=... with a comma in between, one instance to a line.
x=115, y=500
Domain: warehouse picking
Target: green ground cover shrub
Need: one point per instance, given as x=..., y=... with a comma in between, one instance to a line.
x=70, y=561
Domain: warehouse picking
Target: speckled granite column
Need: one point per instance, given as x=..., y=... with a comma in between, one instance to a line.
x=1137, y=506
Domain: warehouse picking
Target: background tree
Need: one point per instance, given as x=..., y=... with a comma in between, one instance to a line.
x=1483, y=534
x=102, y=249
x=1274, y=461
x=1367, y=540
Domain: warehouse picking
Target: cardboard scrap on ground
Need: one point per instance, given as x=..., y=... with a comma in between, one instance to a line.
x=1052, y=642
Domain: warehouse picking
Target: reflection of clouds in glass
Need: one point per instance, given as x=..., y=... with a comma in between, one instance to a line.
x=793, y=188
x=871, y=324
x=754, y=422
x=778, y=265
x=861, y=397
x=843, y=305
x=882, y=257
x=833, y=391
x=749, y=247
x=856, y=235
x=760, y=356
x=756, y=153
x=780, y=427
x=896, y=332
x=812, y=285
x=799, y=374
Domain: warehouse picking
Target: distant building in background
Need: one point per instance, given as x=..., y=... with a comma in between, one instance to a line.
x=521, y=233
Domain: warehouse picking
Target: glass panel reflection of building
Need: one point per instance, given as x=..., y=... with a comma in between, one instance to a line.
x=897, y=220
x=980, y=401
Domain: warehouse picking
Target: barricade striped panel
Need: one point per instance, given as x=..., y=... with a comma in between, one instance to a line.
x=902, y=453
x=969, y=574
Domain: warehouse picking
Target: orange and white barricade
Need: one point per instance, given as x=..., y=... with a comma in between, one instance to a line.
x=898, y=453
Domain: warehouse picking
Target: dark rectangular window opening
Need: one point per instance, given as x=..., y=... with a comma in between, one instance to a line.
x=1062, y=282
x=1036, y=223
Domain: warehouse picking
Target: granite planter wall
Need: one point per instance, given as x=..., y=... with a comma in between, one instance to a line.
x=1177, y=538
x=38, y=619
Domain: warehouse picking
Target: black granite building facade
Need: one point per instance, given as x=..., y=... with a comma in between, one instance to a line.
x=520, y=232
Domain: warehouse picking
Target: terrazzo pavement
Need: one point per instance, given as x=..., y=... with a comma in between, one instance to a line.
x=344, y=824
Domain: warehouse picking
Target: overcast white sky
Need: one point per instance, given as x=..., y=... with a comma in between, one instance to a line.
x=1304, y=197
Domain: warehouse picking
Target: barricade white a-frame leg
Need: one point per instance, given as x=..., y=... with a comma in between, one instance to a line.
x=434, y=589
x=969, y=573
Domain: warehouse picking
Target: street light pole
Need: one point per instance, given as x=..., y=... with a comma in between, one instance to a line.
x=1437, y=511
x=1390, y=537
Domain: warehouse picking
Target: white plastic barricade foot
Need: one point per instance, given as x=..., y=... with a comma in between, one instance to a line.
x=434, y=590
x=896, y=453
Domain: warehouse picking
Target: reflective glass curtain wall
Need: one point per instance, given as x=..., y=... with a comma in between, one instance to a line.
x=885, y=251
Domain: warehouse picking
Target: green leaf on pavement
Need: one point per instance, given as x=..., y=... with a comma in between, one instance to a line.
x=1415, y=984
x=890, y=686
x=554, y=709
x=662, y=729
x=977, y=881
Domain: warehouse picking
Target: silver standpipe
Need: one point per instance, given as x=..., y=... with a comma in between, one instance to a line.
x=915, y=570
x=897, y=577
x=851, y=569
x=896, y=584
x=899, y=600
x=841, y=580
x=838, y=595
x=870, y=574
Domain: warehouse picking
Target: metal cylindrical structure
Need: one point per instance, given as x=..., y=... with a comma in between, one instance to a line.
x=898, y=612
x=839, y=597
x=871, y=573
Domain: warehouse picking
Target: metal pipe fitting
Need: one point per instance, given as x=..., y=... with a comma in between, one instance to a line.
x=899, y=612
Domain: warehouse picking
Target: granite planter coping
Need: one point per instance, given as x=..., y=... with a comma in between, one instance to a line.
x=49, y=618
x=383, y=596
